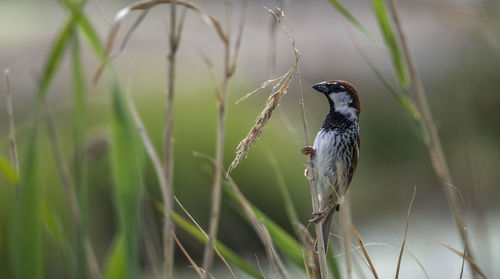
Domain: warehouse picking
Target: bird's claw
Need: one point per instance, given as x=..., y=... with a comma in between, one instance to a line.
x=318, y=216
x=308, y=150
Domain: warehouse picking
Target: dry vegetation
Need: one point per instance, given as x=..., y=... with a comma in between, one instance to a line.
x=129, y=137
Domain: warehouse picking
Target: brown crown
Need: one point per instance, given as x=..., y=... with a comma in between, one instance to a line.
x=352, y=93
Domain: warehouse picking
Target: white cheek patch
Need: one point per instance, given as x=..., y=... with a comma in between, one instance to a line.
x=340, y=99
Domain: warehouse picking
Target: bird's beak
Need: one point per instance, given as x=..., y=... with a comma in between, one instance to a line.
x=321, y=87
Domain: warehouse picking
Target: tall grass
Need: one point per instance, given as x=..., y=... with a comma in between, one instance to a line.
x=34, y=218
x=405, y=70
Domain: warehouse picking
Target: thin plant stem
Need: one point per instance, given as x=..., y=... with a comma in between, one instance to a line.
x=168, y=170
x=69, y=190
x=310, y=174
x=12, y=126
x=405, y=235
x=229, y=69
x=191, y=261
x=345, y=208
x=433, y=144
x=261, y=230
x=365, y=253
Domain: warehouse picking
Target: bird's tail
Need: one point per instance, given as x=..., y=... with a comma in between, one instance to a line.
x=325, y=230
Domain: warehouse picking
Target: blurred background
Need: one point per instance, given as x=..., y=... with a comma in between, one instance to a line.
x=456, y=45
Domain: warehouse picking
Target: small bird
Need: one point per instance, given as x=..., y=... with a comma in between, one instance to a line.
x=336, y=149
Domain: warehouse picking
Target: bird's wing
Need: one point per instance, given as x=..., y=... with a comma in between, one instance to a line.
x=354, y=160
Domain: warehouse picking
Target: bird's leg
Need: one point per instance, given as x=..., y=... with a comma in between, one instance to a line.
x=308, y=150
x=320, y=215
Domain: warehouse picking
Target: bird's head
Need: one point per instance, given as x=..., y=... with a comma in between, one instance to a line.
x=341, y=95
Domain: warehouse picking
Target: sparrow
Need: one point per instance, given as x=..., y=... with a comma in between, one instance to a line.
x=335, y=150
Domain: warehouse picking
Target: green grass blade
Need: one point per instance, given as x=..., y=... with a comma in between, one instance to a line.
x=116, y=266
x=354, y=21
x=80, y=115
x=56, y=52
x=54, y=58
x=126, y=162
x=87, y=29
x=405, y=102
x=54, y=227
x=283, y=240
x=227, y=253
x=391, y=42
x=27, y=230
x=80, y=170
x=8, y=170
x=287, y=199
x=93, y=39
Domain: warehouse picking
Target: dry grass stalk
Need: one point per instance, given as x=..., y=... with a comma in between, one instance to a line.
x=162, y=180
x=145, y=6
x=150, y=238
x=231, y=54
x=345, y=208
x=261, y=231
x=406, y=233
x=358, y=250
x=354, y=248
x=259, y=227
x=69, y=191
x=168, y=171
x=323, y=267
x=372, y=268
x=12, y=126
x=62, y=167
x=419, y=263
x=308, y=247
x=206, y=235
x=471, y=262
x=159, y=206
x=434, y=146
x=166, y=182
x=280, y=88
x=195, y=266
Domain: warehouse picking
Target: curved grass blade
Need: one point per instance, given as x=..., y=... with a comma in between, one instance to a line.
x=54, y=59
x=54, y=226
x=285, y=194
x=391, y=42
x=354, y=21
x=126, y=158
x=224, y=250
x=27, y=230
x=283, y=240
x=115, y=265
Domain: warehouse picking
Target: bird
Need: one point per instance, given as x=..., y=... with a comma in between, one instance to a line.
x=335, y=151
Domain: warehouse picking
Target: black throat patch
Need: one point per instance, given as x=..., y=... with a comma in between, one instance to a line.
x=337, y=121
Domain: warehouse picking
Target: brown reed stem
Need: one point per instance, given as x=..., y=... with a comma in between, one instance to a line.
x=434, y=146
x=219, y=152
x=312, y=184
x=230, y=62
x=168, y=170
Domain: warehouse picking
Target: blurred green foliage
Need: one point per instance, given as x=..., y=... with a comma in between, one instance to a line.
x=392, y=160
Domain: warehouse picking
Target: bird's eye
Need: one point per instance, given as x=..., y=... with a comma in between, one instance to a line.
x=335, y=87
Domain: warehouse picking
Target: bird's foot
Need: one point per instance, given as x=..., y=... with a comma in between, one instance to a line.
x=308, y=150
x=318, y=216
